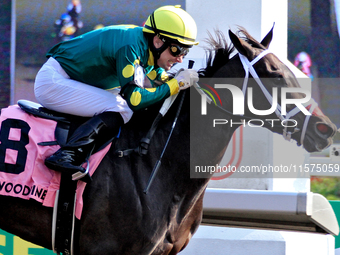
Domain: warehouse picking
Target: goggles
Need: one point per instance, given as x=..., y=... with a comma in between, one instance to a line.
x=177, y=51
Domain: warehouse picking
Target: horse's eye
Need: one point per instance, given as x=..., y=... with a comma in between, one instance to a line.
x=279, y=81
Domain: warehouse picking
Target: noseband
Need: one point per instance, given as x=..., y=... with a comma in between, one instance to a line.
x=248, y=68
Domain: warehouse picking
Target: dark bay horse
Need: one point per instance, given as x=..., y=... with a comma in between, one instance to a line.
x=118, y=218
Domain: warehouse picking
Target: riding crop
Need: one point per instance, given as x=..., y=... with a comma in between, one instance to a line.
x=159, y=161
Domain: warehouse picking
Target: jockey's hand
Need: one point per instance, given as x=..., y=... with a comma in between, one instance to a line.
x=186, y=78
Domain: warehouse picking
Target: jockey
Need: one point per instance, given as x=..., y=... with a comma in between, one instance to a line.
x=100, y=75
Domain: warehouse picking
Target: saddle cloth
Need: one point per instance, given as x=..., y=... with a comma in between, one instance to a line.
x=23, y=173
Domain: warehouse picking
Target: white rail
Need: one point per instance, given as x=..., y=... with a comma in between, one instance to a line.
x=296, y=211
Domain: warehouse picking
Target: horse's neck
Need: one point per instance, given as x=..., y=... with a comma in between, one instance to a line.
x=194, y=139
x=208, y=140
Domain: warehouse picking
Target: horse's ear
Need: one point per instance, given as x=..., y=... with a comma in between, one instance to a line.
x=268, y=38
x=242, y=46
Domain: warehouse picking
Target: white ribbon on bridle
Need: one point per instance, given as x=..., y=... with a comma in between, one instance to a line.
x=248, y=68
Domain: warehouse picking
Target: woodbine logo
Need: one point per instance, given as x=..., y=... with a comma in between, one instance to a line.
x=17, y=189
x=239, y=98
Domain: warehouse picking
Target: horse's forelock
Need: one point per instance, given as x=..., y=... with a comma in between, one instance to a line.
x=244, y=35
x=219, y=51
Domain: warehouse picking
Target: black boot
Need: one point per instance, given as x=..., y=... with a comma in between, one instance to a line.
x=100, y=128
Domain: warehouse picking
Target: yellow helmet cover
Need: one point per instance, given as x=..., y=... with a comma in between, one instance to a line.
x=174, y=23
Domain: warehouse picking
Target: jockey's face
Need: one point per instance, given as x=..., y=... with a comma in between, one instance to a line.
x=166, y=59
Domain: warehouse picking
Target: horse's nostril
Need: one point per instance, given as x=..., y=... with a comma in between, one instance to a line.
x=322, y=128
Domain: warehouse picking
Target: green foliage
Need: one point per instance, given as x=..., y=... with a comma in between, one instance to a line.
x=329, y=187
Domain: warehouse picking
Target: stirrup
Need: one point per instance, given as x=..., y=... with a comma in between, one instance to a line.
x=79, y=175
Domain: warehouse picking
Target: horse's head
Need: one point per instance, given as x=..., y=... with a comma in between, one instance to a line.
x=271, y=86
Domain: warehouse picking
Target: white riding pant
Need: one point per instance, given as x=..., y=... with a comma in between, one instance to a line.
x=55, y=90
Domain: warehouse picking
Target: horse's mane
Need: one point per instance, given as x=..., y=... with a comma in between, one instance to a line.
x=219, y=51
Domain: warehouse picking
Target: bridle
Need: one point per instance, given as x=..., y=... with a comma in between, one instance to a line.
x=248, y=67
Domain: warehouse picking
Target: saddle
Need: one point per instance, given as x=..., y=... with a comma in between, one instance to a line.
x=66, y=124
x=63, y=120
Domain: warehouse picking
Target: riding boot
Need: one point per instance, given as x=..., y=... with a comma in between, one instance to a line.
x=100, y=128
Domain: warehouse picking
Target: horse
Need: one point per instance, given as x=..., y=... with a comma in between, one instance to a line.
x=118, y=217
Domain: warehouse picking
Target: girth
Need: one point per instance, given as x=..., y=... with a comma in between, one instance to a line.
x=63, y=213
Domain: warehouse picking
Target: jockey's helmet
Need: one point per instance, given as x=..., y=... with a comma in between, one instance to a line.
x=172, y=24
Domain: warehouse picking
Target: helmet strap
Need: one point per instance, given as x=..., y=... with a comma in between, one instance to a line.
x=157, y=51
